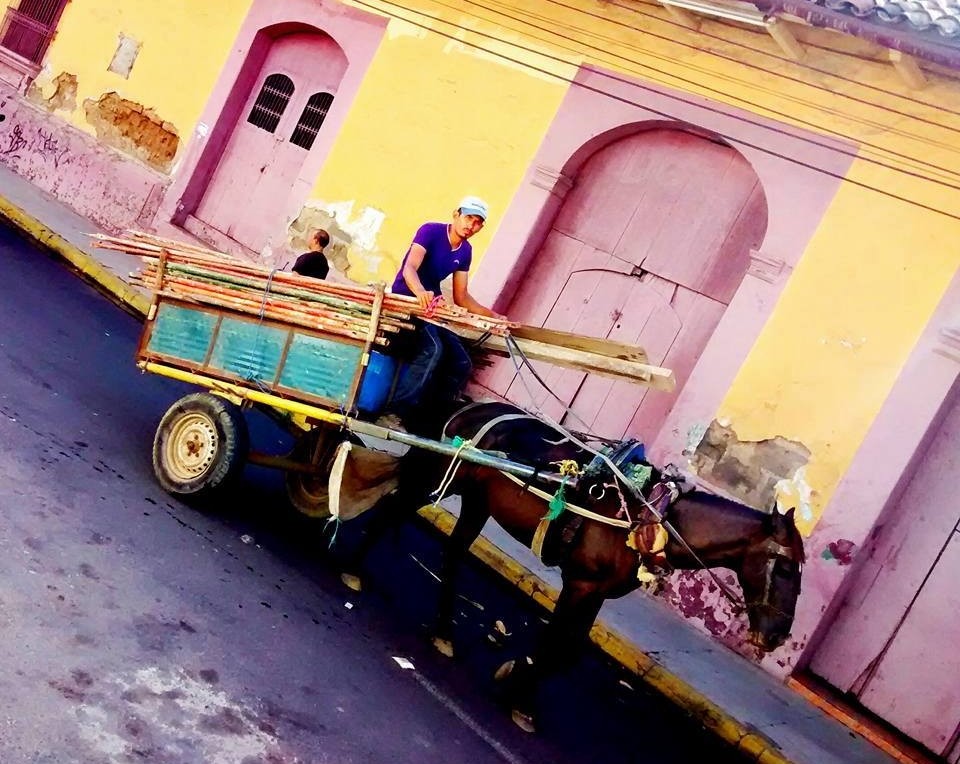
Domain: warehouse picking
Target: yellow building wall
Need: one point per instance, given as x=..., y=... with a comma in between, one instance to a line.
x=435, y=119
x=184, y=44
x=842, y=330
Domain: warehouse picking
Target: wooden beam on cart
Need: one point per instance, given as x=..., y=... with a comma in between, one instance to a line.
x=610, y=363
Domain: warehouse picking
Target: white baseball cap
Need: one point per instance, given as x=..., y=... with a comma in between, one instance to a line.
x=473, y=205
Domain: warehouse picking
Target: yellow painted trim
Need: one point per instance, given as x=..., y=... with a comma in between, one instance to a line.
x=721, y=723
x=88, y=267
x=218, y=386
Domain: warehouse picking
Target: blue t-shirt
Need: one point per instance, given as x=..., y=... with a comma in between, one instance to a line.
x=440, y=260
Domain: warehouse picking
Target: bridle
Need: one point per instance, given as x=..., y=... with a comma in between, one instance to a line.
x=777, y=551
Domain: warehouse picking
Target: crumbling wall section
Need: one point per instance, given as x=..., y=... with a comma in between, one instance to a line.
x=63, y=98
x=97, y=182
x=133, y=129
x=768, y=475
x=749, y=471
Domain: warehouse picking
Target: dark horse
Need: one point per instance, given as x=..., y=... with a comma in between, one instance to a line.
x=764, y=550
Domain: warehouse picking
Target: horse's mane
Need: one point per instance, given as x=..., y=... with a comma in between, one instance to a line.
x=712, y=501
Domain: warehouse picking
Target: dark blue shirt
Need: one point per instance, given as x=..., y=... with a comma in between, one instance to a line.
x=439, y=261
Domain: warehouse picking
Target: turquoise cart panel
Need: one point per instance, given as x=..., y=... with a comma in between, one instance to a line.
x=182, y=333
x=320, y=367
x=248, y=349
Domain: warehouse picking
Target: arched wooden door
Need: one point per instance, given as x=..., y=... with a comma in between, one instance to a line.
x=649, y=247
x=251, y=185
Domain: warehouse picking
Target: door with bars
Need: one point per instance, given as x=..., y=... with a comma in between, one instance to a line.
x=28, y=28
x=249, y=192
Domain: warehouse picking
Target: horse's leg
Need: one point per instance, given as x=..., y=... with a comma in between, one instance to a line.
x=473, y=516
x=559, y=642
x=389, y=513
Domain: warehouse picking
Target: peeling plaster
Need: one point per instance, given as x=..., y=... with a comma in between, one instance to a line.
x=64, y=96
x=697, y=597
x=694, y=436
x=125, y=56
x=133, y=129
x=353, y=249
x=841, y=551
x=750, y=471
x=795, y=492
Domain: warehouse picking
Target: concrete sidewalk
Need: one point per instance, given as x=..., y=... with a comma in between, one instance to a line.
x=743, y=705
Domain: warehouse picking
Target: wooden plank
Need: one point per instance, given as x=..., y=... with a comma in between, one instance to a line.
x=608, y=348
x=591, y=363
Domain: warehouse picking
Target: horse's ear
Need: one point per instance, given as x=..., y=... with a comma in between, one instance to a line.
x=783, y=521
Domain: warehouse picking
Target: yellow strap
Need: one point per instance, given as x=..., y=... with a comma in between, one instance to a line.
x=539, y=536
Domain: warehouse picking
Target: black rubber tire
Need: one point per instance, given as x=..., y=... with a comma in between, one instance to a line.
x=308, y=493
x=200, y=447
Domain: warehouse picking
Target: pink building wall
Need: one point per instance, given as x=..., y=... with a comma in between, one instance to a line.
x=98, y=182
x=880, y=470
x=797, y=198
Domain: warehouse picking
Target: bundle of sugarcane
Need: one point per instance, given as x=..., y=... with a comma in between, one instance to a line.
x=195, y=274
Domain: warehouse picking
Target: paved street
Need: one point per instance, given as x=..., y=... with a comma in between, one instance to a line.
x=136, y=629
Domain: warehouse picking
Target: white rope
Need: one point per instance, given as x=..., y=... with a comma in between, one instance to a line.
x=451, y=472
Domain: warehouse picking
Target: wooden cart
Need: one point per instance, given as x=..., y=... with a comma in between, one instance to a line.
x=325, y=388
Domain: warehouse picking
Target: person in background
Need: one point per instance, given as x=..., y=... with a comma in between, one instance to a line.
x=314, y=263
x=441, y=367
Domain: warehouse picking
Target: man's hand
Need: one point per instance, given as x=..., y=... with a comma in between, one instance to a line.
x=425, y=298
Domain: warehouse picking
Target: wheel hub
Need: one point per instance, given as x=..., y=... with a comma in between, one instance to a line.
x=192, y=446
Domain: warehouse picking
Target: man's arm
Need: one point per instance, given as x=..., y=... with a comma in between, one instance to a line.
x=410, y=267
x=463, y=298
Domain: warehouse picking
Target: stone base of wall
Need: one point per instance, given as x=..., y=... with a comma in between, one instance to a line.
x=115, y=191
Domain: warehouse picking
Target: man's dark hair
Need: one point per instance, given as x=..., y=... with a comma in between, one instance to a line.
x=321, y=237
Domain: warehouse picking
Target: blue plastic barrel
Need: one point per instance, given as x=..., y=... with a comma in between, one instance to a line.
x=377, y=382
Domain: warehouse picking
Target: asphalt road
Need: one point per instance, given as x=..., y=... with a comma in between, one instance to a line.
x=136, y=629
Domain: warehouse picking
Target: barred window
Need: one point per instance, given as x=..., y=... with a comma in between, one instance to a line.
x=271, y=102
x=28, y=29
x=311, y=120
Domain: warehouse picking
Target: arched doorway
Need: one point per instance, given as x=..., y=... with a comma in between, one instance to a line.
x=249, y=190
x=648, y=247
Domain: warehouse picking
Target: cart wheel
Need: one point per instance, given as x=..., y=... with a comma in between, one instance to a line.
x=200, y=446
x=309, y=493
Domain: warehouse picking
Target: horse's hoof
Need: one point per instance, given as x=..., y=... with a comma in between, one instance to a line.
x=523, y=721
x=351, y=581
x=504, y=671
x=444, y=646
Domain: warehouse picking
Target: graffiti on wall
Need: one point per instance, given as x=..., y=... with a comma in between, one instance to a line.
x=18, y=143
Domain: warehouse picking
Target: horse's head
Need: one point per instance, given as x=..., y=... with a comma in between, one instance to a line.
x=770, y=577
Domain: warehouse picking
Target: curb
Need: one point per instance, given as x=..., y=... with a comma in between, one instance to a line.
x=87, y=266
x=742, y=737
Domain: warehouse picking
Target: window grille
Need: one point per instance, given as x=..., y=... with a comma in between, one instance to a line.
x=271, y=102
x=28, y=29
x=311, y=119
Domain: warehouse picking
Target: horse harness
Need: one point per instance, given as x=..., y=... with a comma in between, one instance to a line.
x=646, y=535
